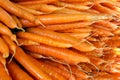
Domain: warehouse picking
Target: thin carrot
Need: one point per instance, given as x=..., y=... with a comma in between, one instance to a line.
x=47, y=69
x=3, y=74
x=24, y=60
x=4, y=49
x=71, y=6
x=32, y=11
x=37, y=2
x=59, y=53
x=2, y=60
x=43, y=7
x=79, y=35
x=43, y=39
x=13, y=9
x=66, y=18
x=76, y=43
x=26, y=42
x=4, y=30
x=7, y=19
x=17, y=73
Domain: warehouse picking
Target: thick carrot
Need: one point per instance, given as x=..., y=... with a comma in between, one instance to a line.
x=47, y=69
x=3, y=74
x=71, y=6
x=77, y=44
x=4, y=49
x=4, y=30
x=26, y=42
x=66, y=18
x=17, y=73
x=37, y=2
x=7, y=19
x=59, y=53
x=43, y=39
x=24, y=60
x=13, y=9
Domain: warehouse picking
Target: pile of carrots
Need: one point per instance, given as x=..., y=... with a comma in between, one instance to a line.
x=59, y=40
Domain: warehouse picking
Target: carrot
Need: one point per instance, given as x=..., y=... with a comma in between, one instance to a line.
x=79, y=35
x=26, y=42
x=66, y=18
x=72, y=57
x=17, y=73
x=13, y=9
x=24, y=60
x=77, y=44
x=78, y=73
x=2, y=60
x=32, y=11
x=43, y=7
x=3, y=74
x=4, y=30
x=47, y=69
x=71, y=1
x=4, y=49
x=78, y=30
x=117, y=31
x=37, y=2
x=7, y=19
x=9, y=42
x=43, y=39
x=71, y=6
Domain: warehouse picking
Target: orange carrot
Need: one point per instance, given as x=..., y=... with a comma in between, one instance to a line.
x=79, y=35
x=73, y=0
x=43, y=7
x=7, y=19
x=66, y=18
x=3, y=74
x=32, y=11
x=37, y=2
x=24, y=60
x=26, y=42
x=43, y=39
x=47, y=69
x=77, y=44
x=2, y=60
x=4, y=48
x=4, y=30
x=13, y=9
x=72, y=57
x=17, y=73
x=71, y=6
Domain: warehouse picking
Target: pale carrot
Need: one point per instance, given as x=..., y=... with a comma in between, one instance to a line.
x=13, y=9
x=37, y=2
x=72, y=57
x=4, y=48
x=24, y=60
x=26, y=42
x=3, y=74
x=7, y=19
x=43, y=39
x=17, y=73
x=77, y=44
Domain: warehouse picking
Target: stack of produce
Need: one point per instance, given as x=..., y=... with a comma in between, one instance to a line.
x=59, y=40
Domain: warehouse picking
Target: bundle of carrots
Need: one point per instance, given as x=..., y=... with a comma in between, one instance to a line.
x=59, y=40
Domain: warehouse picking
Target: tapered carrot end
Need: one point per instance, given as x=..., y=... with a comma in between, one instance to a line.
x=6, y=55
x=37, y=21
x=13, y=37
x=20, y=28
